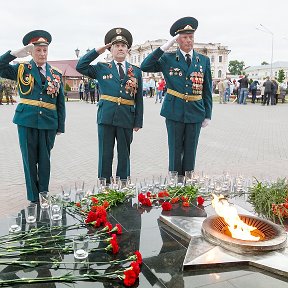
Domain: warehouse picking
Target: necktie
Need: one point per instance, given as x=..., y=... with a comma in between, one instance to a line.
x=121, y=71
x=43, y=78
x=188, y=59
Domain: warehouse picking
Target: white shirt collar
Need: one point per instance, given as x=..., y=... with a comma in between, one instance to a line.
x=123, y=65
x=43, y=67
x=184, y=53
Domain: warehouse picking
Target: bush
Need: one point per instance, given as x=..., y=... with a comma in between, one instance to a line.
x=67, y=87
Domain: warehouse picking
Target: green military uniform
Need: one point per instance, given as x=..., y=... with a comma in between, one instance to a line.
x=188, y=100
x=120, y=108
x=39, y=116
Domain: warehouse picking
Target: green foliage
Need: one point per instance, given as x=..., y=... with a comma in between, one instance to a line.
x=281, y=76
x=262, y=197
x=67, y=87
x=189, y=192
x=236, y=67
x=264, y=63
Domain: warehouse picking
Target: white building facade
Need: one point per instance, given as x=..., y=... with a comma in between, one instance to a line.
x=217, y=53
x=262, y=71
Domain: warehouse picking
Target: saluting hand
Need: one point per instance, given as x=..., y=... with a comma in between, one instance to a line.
x=102, y=49
x=169, y=43
x=23, y=52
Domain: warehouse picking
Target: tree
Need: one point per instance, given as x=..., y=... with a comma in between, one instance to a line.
x=67, y=87
x=281, y=75
x=264, y=63
x=235, y=67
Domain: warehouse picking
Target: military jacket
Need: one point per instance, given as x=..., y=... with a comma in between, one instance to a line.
x=130, y=88
x=30, y=88
x=195, y=80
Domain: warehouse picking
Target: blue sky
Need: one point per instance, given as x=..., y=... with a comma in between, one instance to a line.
x=83, y=24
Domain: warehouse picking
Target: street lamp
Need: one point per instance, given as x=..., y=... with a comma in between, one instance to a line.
x=77, y=51
x=266, y=30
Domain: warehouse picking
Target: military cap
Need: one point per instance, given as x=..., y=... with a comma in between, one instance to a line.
x=119, y=35
x=184, y=25
x=37, y=37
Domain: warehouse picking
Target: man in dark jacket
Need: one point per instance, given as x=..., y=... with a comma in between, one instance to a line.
x=269, y=86
x=244, y=84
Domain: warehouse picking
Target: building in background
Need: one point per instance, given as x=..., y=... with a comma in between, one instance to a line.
x=262, y=71
x=69, y=74
x=217, y=53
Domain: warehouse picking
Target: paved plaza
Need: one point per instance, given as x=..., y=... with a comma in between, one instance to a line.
x=247, y=139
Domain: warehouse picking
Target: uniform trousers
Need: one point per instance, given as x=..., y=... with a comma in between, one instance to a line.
x=107, y=134
x=182, y=143
x=36, y=145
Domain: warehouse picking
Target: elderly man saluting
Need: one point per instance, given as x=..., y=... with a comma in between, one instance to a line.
x=188, y=104
x=120, y=109
x=40, y=115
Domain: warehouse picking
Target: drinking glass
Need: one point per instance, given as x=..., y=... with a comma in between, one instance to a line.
x=66, y=192
x=56, y=207
x=31, y=213
x=101, y=184
x=180, y=181
x=115, y=182
x=14, y=222
x=172, y=178
x=124, y=185
x=44, y=200
x=80, y=247
x=188, y=178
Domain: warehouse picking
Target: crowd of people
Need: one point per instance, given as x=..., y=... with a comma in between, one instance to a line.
x=269, y=91
x=7, y=90
x=88, y=88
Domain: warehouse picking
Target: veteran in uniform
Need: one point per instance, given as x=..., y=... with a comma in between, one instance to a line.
x=188, y=104
x=120, y=108
x=40, y=115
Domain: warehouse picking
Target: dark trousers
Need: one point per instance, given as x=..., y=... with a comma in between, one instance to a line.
x=106, y=141
x=92, y=96
x=81, y=95
x=253, y=92
x=267, y=96
x=182, y=143
x=35, y=147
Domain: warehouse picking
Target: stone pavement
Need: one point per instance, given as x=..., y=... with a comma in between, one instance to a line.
x=251, y=140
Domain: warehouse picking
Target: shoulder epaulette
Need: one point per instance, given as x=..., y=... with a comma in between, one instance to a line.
x=56, y=69
x=135, y=66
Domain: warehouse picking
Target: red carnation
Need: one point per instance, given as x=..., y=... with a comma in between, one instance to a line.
x=141, y=197
x=200, y=200
x=119, y=229
x=166, y=206
x=185, y=204
x=147, y=202
x=139, y=257
x=106, y=204
x=94, y=200
x=130, y=277
x=174, y=200
x=109, y=226
x=135, y=267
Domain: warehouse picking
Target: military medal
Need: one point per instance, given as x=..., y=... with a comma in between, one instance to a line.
x=110, y=76
x=104, y=77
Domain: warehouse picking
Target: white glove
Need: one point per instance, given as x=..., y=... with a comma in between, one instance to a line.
x=169, y=43
x=23, y=52
x=205, y=122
